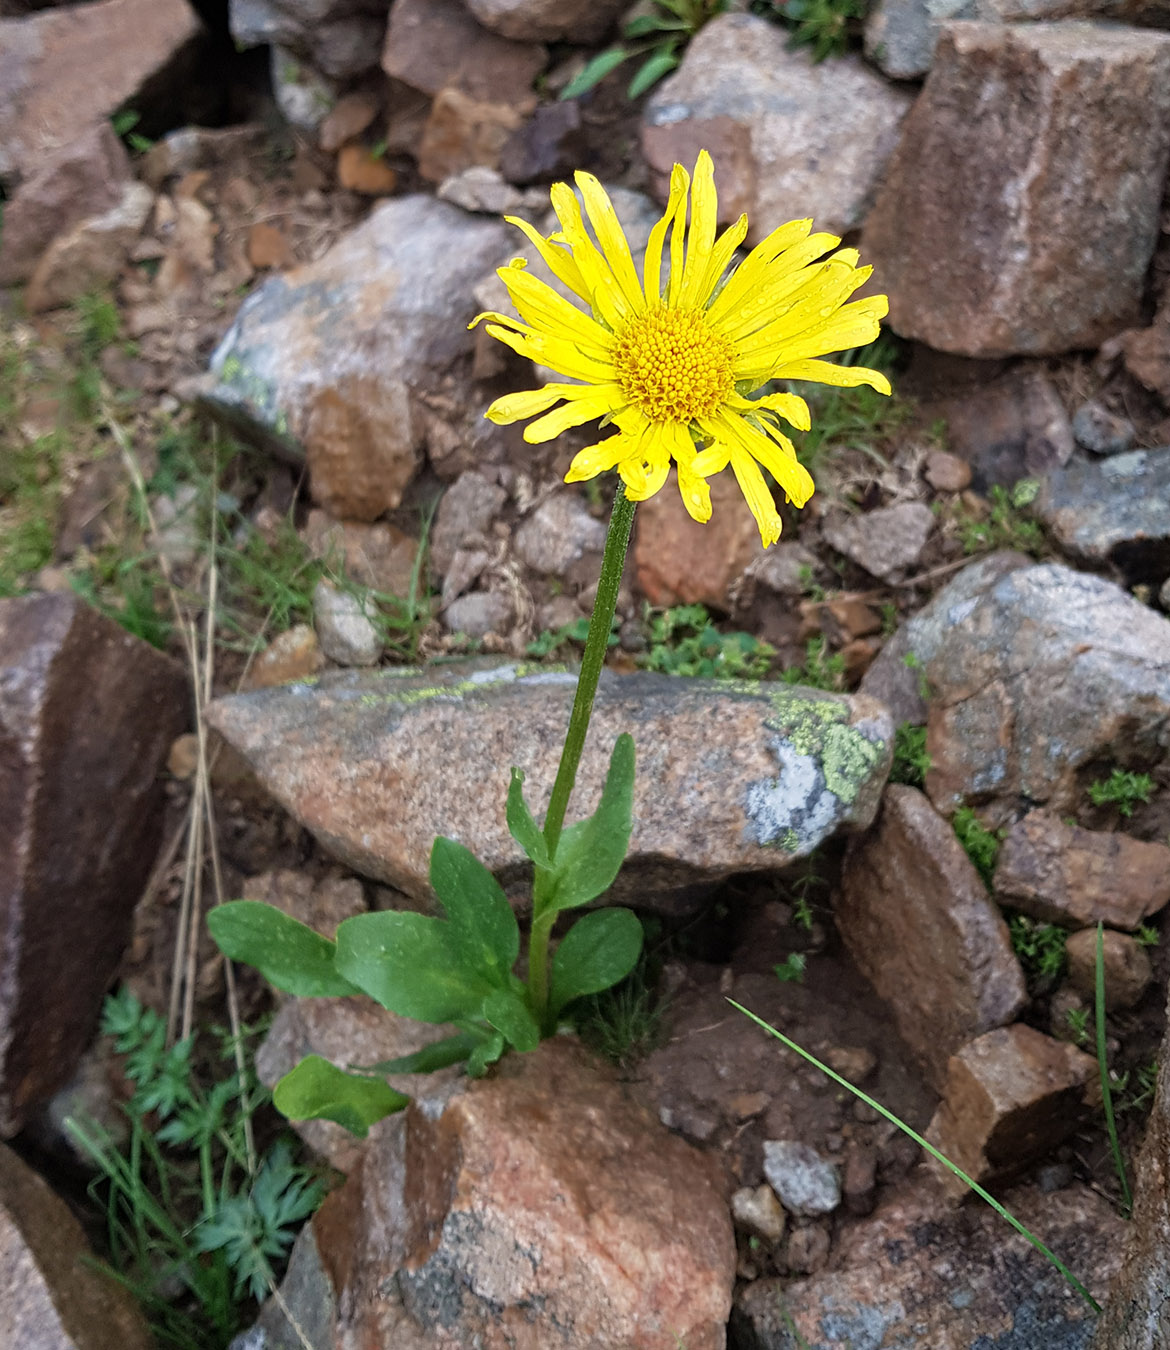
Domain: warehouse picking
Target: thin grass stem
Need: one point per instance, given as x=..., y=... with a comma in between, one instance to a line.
x=1106, y=1086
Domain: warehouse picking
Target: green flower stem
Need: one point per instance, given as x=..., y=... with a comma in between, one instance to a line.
x=596, y=644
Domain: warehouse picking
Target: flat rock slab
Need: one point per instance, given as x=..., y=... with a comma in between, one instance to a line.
x=919, y=1277
x=87, y=716
x=51, y=1296
x=325, y=360
x=732, y=777
x=917, y=920
x=1041, y=244
x=1115, y=511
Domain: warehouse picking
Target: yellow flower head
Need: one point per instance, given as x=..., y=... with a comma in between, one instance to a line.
x=673, y=366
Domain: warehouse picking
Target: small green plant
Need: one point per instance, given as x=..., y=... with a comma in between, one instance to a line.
x=1078, y=1024
x=124, y=123
x=1040, y=948
x=1123, y=789
x=791, y=969
x=980, y=843
x=1006, y=525
x=660, y=36
x=911, y=762
x=188, y=1204
x=684, y=641
x=549, y=642
x=625, y=1023
x=912, y=661
x=824, y=26
x=820, y=670
x=1147, y=936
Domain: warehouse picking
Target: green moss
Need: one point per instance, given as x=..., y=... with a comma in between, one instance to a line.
x=820, y=728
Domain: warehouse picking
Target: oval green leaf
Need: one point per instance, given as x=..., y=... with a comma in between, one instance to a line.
x=599, y=950
x=507, y=1012
x=318, y=1090
x=289, y=955
x=483, y=927
x=590, y=853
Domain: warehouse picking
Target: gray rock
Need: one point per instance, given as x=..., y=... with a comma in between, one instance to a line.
x=730, y=778
x=304, y=95
x=480, y=613
x=467, y=508
x=341, y=38
x=344, y=627
x=789, y=136
x=1127, y=967
x=757, y=1210
x=804, y=1181
x=480, y=188
x=328, y=360
x=582, y=21
x=886, y=542
x=1101, y=432
x=558, y=534
x=308, y=1296
x=784, y=569
x=1115, y=510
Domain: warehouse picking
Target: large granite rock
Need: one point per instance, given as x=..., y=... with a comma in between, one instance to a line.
x=1042, y=242
x=332, y=358
x=431, y=44
x=1113, y=511
x=918, y=922
x=1037, y=675
x=918, y=1276
x=731, y=778
x=340, y=38
x=789, y=137
x=51, y=1296
x=66, y=69
x=87, y=715
x=548, y=20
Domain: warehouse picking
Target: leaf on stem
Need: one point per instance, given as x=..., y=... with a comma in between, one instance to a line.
x=508, y=1013
x=438, y=1055
x=521, y=825
x=599, y=950
x=288, y=954
x=483, y=927
x=590, y=853
x=484, y=1055
x=319, y=1090
x=595, y=71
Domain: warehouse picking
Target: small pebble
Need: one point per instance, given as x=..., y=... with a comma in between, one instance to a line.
x=1127, y=967
x=804, y=1181
x=946, y=472
x=1101, y=432
x=756, y=1210
x=807, y=1250
x=344, y=629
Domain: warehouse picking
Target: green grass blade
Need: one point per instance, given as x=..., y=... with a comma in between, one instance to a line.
x=1106, y=1086
x=1044, y=1251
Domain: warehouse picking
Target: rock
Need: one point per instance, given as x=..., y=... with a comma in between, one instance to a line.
x=785, y=569
x=1049, y=231
x=87, y=716
x=1147, y=354
x=360, y=171
x=307, y=1295
x=344, y=628
x=542, y=1209
x=67, y=69
x=895, y=1279
x=728, y=780
x=1036, y=673
x=756, y=1210
x=807, y=1249
x=1015, y=426
x=1010, y=1098
x=917, y=921
x=347, y=119
x=549, y=145
x=481, y=188
x=680, y=561
x=291, y=656
x=467, y=508
x=434, y=43
x=328, y=358
x=1060, y=873
x=89, y=1097
x=303, y=94
x=90, y=254
x=804, y=1181
x=1113, y=511
x=1134, y=1316
x=789, y=136
x=559, y=533
x=1127, y=967
x=886, y=542
x=946, y=472
x=859, y=1181
x=580, y=21
x=178, y=537
x=1101, y=432
x=341, y=38
x=54, y=1297
x=379, y=556
x=464, y=131
x=320, y=902
x=268, y=247
x=84, y=178
x=186, y=149
x=480, y=613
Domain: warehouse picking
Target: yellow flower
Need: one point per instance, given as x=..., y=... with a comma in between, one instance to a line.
x=673, y=366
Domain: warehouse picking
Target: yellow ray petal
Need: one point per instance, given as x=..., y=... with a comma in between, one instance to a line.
x=556, y=353
x=588, y=405
x=559, y=261
x=677, y=236
x=526, y=403
x=756, y=494
x=652, y=266
x=600, y=458
x=605, y=295
x=825, y=372
x=701, y=237
x=612, y=239
x=542, y=307
x=824, y=292
x=692, y=486
x=721, y=256
x=791, y=407
x=748, y=274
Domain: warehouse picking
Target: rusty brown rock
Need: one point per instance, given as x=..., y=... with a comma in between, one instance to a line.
x=1127, y=968
x=320, y=902
x=380, y=556
x=1042, y=243
x=542, y=1209
x=1147, y=354
x=463, y=130
x=51, y=1295
x=915, y=1274
x=579, y=21
x=360, y=171
x=87, y=717
x=1010, y=1097
x=432, y=43
x=292, y=655
x=918, y=922
x=1064, y=874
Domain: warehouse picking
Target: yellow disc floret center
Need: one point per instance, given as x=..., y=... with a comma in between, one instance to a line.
x=672, y=366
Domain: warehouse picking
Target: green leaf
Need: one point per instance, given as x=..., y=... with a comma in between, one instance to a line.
x=507, y=1012
x=521, y=825
x=660, y=64
x=644, y=24
x=591, y=852
x=288, y=954
x=485, y=1054
x=318, y=1090
x=439, y=1055
x=410, y=964
x=483, y=926
x=599, y=950
x=595, y=71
